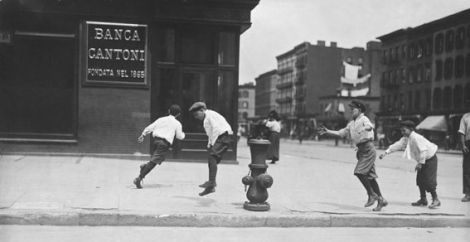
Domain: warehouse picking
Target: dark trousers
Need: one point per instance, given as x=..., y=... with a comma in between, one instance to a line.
x=427, y=176
x=466, y=170
x=216, y=152
x=161, y=149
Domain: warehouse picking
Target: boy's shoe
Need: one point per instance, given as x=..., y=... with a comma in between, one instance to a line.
x=420, y=203
x=382, y=203
x=137, y=183
x=435, y=203
x=466, y=198
x=207, y=191
x=371, y=200
x=208, y=184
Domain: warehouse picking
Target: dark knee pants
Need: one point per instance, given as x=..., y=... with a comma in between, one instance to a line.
x=427, y=176
x=466, y=170
x=161, y=149
x=216, y=152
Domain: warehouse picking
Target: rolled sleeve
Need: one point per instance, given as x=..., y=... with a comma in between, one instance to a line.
x=399, y=145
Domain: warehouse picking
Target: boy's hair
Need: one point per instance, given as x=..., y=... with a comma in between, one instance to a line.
x=174, y=109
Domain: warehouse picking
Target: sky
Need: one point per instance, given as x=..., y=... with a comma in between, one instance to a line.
x=280, y=25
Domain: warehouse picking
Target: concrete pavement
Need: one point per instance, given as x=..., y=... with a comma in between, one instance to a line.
x=313, y=186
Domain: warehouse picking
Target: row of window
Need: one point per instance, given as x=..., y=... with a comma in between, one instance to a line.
x=447, y=69
x=453, y=68
x=284, y=63
x=449, y=98
x=448, y=41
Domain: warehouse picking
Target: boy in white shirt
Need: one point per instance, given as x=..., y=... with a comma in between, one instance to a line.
x=163, y=130
x=422, y=151
x=219, y=134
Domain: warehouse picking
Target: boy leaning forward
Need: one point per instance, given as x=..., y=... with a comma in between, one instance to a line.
x=219, y=133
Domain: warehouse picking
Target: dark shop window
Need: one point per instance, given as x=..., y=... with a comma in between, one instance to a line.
x=439, y=43
x=410, y=100
x=428, y=48
x=37, y=85
x=420, y=73
x=227, y=48
x=166, y=45
x=450, y=36
x=197, y=46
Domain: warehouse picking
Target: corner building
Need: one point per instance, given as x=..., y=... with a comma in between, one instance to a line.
x=87, y=76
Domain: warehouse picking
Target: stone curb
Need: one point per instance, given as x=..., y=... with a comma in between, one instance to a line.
x=85, y=218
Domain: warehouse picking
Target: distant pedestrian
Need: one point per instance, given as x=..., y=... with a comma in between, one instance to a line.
x=163, y=130
x=464, y=131
x=362, y=135
x=219, y=134
x=422, y=151
x=274, y=126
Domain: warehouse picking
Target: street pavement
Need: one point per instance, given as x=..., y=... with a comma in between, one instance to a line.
x=314, y=186
x=18, y=233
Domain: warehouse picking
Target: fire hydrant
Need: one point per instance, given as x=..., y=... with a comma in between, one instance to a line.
x=258, y=181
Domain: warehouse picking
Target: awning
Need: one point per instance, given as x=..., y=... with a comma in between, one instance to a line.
x=434, y=123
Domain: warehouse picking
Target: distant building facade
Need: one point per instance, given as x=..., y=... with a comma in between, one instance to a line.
x=246, y=104
x=309, y=72
x=426, y=75
x=266, y=93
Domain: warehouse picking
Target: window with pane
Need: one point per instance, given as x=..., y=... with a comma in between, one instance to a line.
x=460, y=38
x=448, y=68
x=439, y=43
x=227, y=48
x=439, y=72
x=427, y=72
x=450, y=36
x=427, y=98
x=166, y=45
x=197, y=45
x=459, y=66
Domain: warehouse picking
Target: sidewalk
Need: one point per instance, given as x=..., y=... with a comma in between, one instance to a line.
x=313, y=186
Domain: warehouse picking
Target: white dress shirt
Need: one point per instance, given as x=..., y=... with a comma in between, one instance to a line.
x=215, y=125
x=416, y=148
x=357, y=129
x=464, y=127
x=274, y=126
x=165, y=127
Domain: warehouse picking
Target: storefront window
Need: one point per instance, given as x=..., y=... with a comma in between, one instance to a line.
x=460, y=38
x=37, y=83
x=447, y=97
x=450, y=36
x=227, y=48
x=166, y=45
x=197, y=46
x=448, y=68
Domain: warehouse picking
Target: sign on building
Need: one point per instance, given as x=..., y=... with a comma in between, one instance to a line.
x=116, y=54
